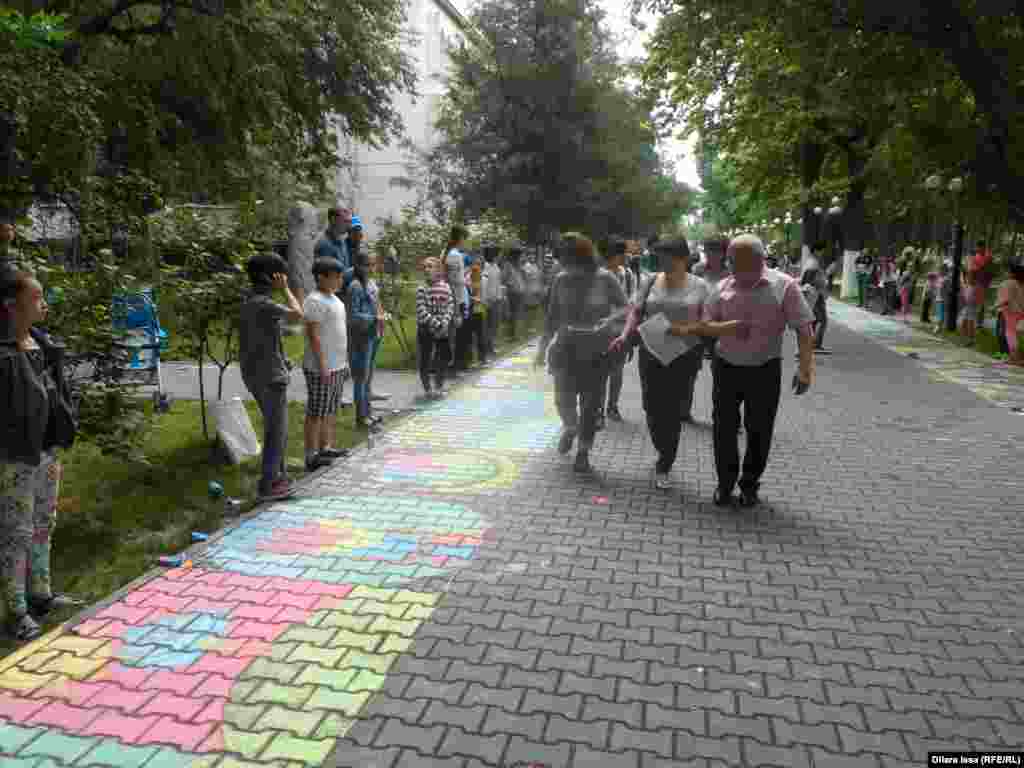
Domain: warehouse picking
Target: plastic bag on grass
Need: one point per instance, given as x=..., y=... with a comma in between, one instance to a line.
x=235, y=429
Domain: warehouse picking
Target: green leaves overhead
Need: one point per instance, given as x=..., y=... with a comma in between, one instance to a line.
x=536, y=124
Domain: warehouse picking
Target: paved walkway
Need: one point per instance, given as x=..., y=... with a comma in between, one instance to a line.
x=454, y=596
x=995, y=381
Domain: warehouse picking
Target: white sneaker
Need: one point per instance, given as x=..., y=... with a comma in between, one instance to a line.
x=661, y=481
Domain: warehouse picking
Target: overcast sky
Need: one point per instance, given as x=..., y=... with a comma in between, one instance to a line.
x=631, y=45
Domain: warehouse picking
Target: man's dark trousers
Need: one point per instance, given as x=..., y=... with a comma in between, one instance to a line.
x=757, y=388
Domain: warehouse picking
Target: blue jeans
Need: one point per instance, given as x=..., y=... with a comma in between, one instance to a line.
x=359, y=358
x=374, y=348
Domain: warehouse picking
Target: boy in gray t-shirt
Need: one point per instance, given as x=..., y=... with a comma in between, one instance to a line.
x=265, y=369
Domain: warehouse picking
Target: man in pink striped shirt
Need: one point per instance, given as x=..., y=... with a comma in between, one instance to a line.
x=749, y=311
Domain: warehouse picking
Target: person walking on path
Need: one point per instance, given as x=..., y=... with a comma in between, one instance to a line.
x=930, y=293
x=814, y=275
x=1010, y=305
x=324, y=364
x=492, y=298
x=617, y=266
x=36, y=419
x=749, y=312
x=667, y=390
x=583, y=300
x=264, y=367
x=434, y=308
x=363, y=322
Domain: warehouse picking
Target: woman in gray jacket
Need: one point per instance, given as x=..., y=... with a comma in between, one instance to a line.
x=584, y=306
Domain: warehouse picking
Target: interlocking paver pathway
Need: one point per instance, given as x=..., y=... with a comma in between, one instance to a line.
x=454, y=596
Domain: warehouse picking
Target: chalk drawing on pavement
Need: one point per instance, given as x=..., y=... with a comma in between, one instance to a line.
x=274, y=656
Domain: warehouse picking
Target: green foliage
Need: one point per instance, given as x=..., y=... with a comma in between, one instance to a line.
x=110, y=417
x=40, y=30
x=537, y=124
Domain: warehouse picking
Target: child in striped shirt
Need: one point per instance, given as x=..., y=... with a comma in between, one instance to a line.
x=435, y=307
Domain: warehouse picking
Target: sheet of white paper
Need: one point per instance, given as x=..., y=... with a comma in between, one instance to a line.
x=663, y=346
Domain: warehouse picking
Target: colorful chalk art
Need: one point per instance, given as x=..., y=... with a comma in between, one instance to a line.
x=272, y=644
x=273, y=658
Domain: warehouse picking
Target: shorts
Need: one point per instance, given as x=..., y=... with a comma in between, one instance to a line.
x=970, y=312
x=324, y=393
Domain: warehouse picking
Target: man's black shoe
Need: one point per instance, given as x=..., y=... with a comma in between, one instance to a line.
x=55, y=602
x=319, y=461
x=749, y=499
x=723, y=498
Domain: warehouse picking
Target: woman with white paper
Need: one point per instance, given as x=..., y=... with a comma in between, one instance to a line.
x=664, y=307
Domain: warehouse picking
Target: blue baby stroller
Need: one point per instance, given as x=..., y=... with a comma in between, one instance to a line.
x=134, y=317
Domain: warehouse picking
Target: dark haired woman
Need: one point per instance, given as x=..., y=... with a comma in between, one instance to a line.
x=362, y=336
x=35, y=420
x=582, y=305
x=668, y=389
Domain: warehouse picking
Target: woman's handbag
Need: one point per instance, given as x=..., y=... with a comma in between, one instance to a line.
x=634, y=339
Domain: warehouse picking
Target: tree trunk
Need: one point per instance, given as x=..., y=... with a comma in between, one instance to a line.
x=202, y=389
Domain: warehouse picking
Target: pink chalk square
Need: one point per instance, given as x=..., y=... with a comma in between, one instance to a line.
x=71, y=691
x=17, y=709
x=246, y=595
x=256, y=630
x=600, y=499
x=185, y=736
x=176, y=706
x=126, y=613
x=64, y=716
x=293, y=600
x=245, y=582
x=181, y=683
x=216, y=664
x=209, y=591
x=215, y=686
x=91, y=627
x=127, y=728
x=167, y=602
x=115, y=697
x=299, y=616
x=438, y=561
x=126, y=677
x=264, y=613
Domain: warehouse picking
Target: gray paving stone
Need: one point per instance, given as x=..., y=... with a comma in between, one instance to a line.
x=489, y=749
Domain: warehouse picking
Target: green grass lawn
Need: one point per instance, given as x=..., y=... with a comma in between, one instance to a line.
x=116, y=518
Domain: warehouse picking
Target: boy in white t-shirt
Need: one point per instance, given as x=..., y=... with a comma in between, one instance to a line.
x=325, y=363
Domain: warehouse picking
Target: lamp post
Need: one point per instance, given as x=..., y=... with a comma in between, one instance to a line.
x=956, y=187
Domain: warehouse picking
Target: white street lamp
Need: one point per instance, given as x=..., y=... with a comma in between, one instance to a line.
x=933, y=182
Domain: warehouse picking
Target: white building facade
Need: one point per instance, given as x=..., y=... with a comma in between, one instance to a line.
x=374, y=183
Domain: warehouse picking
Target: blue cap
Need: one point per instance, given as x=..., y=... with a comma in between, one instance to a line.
x=356, y=223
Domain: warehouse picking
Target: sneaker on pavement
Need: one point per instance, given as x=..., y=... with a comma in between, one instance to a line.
x=41, y=607
x=335, y=453
x=661, y=481
x=582, y=463
x=318, y=461
x=749, y=499
x=723, y=498
x=378, y=396
x=614, y=415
